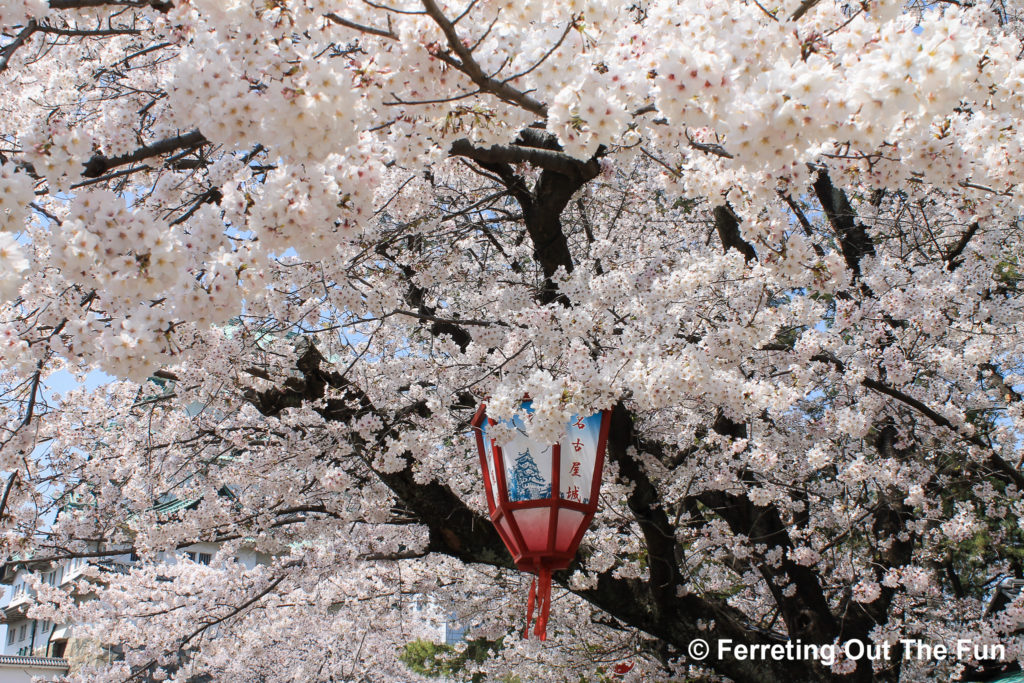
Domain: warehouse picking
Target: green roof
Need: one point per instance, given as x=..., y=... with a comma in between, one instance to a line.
x=173, y=505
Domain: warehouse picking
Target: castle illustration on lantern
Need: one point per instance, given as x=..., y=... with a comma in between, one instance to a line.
x=526, y=482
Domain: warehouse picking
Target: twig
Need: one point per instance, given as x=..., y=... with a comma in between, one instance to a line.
x=547, y=54
x=341, y=21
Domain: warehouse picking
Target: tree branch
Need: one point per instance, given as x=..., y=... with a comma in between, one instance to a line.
x=162, y=6
x=86, y=33
x=98, y=164
x=1008, y=393
x=561, y=177
x=7, y=493
x=953, y=260
x=806, y=613
x=728, y=226
x=548, y=159
x=854, y=241
x=994, y=461
x=804, y=7
x=341, y=21
x=8, y=50
x=644, y=503
x=468, y=65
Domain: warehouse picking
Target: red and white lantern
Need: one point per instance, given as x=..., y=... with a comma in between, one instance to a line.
x=542, y=496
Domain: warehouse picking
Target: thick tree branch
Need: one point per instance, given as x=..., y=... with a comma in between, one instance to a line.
x=7, y=492
x=551, y=160
x=468, y=65
x=561, y=178
x=893, y=547
x=86, y=33
x=803, y=9
x=709, y=148
x=728, y=226
x=644, y=503
x=8, y=50
x=452, y=321
x=854, y=241
x=1008, y=393
x=98, y=164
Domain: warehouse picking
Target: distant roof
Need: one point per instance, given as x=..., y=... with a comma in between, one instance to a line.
x=172, y=505
x=34, y=662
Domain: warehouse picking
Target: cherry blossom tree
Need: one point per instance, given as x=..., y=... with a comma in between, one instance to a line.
x=781, y=241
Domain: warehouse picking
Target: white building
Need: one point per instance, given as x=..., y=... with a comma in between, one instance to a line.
x=35, y=637
x=49, y=649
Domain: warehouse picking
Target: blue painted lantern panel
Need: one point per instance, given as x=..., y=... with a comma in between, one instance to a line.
x=528, y=463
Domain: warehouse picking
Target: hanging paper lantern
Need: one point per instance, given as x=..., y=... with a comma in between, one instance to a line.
x=542, y=496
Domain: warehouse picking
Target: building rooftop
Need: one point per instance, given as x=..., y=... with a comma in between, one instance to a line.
x=34, y=662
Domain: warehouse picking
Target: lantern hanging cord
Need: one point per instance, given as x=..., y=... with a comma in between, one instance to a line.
x=540, y=592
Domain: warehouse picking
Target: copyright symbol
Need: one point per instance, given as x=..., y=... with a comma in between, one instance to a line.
x=698, y=649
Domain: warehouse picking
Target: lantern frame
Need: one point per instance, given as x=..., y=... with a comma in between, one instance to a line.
x=502, y=509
